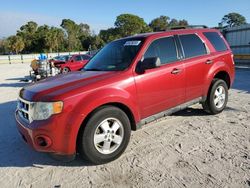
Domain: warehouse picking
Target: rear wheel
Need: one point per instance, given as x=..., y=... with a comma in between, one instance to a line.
x=105, y=136
x=217, y=97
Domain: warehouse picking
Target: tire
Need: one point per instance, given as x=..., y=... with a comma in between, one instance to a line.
x=105, y=136
x=65, y=70
x=217, y=97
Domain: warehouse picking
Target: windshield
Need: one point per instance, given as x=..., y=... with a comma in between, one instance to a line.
x=56, y=58
x=64, y=58
x=115, y=56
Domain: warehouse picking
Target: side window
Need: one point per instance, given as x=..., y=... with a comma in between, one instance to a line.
x=85, y=57
x=78, y=58
x=192, y=45
x=216, y=41
x=163, y=48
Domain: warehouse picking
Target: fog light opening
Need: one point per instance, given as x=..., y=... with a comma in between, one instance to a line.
x=43, y=141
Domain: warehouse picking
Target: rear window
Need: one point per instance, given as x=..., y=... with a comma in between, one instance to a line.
x=85, y=57
x=192, y=45
x=216, y=41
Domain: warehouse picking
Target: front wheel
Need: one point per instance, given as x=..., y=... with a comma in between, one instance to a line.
x=217, y=97
x=105, y=136
x=65, y=70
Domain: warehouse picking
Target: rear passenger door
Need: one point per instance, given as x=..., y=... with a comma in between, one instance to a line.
x=196, y=57
x=163, y=87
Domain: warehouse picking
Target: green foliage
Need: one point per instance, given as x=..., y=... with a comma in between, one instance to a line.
x=71, y=36
x=129, y=24
x=163, y=23
x=15, y=44
x=233, y=19
x=160, y=23
x=110, y=34
x=125, y=25
x=28, y=33
x=177, y=23
x=3, y=46
x=93, y=43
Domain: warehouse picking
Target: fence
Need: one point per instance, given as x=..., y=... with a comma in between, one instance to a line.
x=27, y=58
x=239, y=41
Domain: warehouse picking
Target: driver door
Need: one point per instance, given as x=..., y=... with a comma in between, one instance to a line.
x=163, y=87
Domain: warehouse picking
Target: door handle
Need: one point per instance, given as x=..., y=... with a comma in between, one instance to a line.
x=176, y=71
x=209, y=61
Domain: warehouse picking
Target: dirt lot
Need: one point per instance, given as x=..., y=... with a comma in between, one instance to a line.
x=187, y=149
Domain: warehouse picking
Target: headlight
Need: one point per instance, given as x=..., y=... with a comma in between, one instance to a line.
x=43, y=110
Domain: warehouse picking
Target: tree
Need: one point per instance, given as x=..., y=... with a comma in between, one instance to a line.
x=233, y=19
x=73, y=34
x=16, y=44
x=3, y=46
x=109, y=34
x=183, y=22
x=92, y=43
x=27, y=33
x=159, y=24
x=53, y=39
x=177, y=23
x=129, y=24
x=84, y=30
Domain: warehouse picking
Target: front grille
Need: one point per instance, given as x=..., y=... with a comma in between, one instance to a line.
x=24, y=109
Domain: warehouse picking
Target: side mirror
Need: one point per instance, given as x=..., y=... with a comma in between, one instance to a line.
x=148, y=63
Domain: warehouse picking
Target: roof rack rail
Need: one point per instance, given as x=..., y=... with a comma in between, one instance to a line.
x=198, y=26
x=188, y=27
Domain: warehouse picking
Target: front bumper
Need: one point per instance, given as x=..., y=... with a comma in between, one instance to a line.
x=46, y=136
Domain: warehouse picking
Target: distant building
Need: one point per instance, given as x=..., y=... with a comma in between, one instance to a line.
x=239, y=41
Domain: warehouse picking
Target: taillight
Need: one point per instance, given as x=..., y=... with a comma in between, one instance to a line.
x=232, y=56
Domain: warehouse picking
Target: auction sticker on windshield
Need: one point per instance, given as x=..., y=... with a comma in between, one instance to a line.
x=132, y=43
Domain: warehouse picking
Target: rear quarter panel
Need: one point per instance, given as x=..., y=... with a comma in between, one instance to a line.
x=222, y=62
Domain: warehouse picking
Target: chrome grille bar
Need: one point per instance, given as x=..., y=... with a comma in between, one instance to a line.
x=24, y=109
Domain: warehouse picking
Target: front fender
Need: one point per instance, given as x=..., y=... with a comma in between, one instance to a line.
x=93, y=100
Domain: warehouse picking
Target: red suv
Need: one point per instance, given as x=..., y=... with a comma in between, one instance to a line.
x=72, y=63
x=130, y=82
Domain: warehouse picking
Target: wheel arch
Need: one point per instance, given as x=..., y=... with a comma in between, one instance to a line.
x=119, y=105
x=219, y=70
x=223, y=75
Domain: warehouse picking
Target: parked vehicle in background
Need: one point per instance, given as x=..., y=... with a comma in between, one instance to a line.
x=73, y=63
x=60, y=59
x=128, y=83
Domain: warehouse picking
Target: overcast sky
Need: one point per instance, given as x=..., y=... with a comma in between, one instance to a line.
x=102, y=14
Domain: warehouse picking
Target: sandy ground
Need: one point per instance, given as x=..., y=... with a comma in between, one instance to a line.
x=187, y=149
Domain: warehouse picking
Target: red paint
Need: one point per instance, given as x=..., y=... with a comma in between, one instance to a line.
x=144, y=94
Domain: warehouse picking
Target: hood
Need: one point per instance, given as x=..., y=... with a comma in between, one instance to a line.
x=50, y=88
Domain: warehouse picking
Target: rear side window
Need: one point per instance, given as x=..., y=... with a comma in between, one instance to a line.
x=163, y=48
x=192, y=45
x=78, y=58
x=216, y=41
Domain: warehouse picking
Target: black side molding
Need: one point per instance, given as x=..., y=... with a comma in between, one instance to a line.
x=168, y=112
